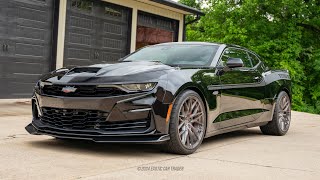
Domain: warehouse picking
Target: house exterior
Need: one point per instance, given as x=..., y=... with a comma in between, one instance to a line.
x=38, y=36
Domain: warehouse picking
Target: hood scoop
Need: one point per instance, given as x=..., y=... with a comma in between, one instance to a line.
x=81, y=70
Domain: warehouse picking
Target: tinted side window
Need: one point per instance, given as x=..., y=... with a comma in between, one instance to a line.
x=255, y=60
x=236, y=53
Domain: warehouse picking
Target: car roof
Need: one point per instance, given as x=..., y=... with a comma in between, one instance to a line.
x=190, y=43
x=200, y=43
x=203, y=43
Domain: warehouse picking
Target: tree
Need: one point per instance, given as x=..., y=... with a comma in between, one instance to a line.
x=285, y=33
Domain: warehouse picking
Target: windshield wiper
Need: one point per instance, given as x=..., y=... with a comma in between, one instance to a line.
x=157, y=61
x=190, y=66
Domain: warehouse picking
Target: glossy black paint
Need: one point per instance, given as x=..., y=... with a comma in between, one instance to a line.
x=237, y=114
x=234, y=98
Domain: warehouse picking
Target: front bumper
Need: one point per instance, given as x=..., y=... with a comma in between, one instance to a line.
x=127, y=108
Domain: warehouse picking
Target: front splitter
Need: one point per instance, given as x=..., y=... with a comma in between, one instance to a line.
x=101, y=138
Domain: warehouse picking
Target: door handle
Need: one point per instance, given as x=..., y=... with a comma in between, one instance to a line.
x=7, y=47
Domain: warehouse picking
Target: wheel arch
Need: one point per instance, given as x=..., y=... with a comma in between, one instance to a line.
x=199, y=91
x=285, y=89
x=279, y=86
x=195, y=88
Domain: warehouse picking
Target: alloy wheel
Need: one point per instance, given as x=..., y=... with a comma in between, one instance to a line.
x=191, y=122
x=284, y=113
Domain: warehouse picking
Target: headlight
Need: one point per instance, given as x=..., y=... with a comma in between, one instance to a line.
x=139, y=87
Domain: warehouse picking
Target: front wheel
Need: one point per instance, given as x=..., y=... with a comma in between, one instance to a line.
x=187, y=124
x=280, y=123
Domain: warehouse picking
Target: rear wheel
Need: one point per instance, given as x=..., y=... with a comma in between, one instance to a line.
x=280, y=123
x=187, y=124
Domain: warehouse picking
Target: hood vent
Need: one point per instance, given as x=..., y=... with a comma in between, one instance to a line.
x=84, y=70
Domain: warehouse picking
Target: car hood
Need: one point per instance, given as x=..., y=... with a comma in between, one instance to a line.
x=124, y=72
x=129, y=68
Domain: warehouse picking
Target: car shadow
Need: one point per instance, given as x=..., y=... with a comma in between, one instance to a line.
x=235, y=135
x=90, y=147
x=128, y=149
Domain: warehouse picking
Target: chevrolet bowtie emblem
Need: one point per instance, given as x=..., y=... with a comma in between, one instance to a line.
x=69, y=89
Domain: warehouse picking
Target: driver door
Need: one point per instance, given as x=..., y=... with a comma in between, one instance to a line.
x=241, y=91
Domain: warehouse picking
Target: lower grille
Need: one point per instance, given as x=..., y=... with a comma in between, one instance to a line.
x=88, y=120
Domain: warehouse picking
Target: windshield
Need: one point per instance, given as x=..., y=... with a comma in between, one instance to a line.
x=176, y=55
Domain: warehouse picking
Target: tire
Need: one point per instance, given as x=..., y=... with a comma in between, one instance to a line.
x=186, y=128
x=280, y=123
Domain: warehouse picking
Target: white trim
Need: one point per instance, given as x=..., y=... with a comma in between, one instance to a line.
x=61, y=33
x=181, y=26
x=151, y=7
x=134, y=29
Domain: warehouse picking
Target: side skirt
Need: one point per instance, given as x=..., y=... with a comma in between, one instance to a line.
x=235, y=128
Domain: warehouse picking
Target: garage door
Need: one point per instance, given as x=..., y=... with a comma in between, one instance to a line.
x=153, y=29
x=96, y=32
x=25, y=41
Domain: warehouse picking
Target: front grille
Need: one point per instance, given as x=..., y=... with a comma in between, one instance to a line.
x=82, y=91
x=88, y=120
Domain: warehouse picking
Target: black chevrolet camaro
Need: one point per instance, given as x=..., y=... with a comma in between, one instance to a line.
x=175, y=94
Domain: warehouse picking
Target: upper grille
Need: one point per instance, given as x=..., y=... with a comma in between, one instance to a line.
x=88, y=120
x=83, y=91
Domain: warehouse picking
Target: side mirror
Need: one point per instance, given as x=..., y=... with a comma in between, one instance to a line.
x=235, y=62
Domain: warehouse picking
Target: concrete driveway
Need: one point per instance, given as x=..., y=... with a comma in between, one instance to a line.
x=244, y=154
